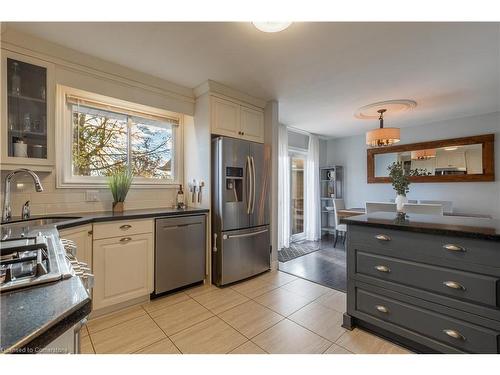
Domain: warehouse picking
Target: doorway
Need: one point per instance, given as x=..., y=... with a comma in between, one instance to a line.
x=297, y=163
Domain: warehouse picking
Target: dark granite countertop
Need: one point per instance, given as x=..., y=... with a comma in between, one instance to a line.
x=472, y=227
x=33, y=317
x=80, y=218
x=30, y=318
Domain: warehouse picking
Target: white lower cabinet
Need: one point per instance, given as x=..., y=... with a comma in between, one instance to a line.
x=82, y=236
x=123, y=269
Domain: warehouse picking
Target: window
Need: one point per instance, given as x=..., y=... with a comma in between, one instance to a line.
x=105, y=135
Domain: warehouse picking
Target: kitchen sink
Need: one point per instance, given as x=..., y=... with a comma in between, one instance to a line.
x=38, y=221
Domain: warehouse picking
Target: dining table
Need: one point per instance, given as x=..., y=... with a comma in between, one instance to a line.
x=348, y=212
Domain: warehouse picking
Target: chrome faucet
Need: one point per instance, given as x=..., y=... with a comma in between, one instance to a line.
x=7, y=211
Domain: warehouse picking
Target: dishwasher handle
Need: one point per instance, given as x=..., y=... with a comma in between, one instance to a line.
x=229, y=236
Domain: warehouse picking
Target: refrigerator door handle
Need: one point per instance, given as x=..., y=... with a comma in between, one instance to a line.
x=249, y=184
x=229, y=236
x=253, y=187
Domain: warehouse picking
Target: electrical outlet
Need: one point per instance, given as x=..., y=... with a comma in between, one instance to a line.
x=92, y=196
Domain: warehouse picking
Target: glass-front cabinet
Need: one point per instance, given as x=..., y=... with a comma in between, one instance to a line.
x=27, y=113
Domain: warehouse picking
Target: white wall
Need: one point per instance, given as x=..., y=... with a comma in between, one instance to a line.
x=467, y=197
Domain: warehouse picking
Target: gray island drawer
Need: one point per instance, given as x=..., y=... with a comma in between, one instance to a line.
x=462, y=335
x=459, y=284
x=406, y=244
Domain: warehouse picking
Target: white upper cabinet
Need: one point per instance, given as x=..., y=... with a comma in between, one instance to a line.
x=252, y=124
x=225, y=117
x=27, y=120
x=235, y=120
x=450, y=159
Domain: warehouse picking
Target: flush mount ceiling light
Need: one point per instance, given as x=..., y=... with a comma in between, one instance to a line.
x=382, y=136
x=271, y=27
x=452, y=148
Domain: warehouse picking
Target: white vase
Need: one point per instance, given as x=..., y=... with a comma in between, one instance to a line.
x=400, y=201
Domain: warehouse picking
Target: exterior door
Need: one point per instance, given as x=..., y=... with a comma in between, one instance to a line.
x=297, y=164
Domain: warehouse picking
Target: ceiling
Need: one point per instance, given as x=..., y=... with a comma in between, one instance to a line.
x=319, y=72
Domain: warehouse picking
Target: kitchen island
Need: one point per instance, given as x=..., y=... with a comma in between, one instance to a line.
x=430, y=283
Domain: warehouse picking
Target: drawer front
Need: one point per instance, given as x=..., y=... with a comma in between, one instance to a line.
x=122, y=228
x=447, y=247
x=454, y=283
x=453, y=332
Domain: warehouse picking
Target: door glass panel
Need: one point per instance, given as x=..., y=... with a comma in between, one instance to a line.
x=26, y=110
x=297, y=194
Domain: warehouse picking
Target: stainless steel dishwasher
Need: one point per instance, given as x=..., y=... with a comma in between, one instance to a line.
x=180, y=254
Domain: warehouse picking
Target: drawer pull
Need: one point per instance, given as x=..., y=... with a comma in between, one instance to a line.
x=382, y=309
x=125, y=239
x=383, y=269
x=453, y=285
x=383, y=237
x=125, y=227
x=454, y=334
x=451, y=247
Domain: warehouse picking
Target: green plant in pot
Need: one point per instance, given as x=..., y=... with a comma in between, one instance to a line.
x=400, y=183
x=119, y=183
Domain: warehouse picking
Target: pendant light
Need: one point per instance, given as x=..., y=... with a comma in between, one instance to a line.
x=382, y=136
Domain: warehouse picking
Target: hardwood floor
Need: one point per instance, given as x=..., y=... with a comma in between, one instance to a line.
x=326, y=266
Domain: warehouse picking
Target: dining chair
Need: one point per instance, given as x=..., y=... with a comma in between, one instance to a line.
x=340, y=229
x=447, y=205
x=424, y=209
x=380, y=207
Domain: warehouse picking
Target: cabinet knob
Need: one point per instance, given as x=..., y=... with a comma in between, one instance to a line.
x=452, y=247
x=383, y=237
x=455, y=334
x=383, y=269
x=125, y=227
x=453, y=285
x=382, y=309
x=125, y=239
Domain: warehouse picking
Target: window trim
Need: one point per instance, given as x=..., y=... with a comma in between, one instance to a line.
x=64, y=177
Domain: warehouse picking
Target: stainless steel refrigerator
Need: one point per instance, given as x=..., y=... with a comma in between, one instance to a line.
x=240, y=209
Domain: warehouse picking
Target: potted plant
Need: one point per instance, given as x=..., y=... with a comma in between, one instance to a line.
x=119, y=184
x=400, y=183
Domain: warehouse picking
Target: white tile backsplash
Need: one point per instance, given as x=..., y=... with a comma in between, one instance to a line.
x=68, y=200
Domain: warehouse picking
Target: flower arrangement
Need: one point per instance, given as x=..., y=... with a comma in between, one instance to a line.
x=119, y=183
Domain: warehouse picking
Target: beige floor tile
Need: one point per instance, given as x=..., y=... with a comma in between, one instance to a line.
x=161, y=302
x=86, y=345
x=250, y=318
x=282, y=301
x=210, y=336
x=334, y=300
x=127, y=337
x=110, y=320
x=182, y=315
x=248, y=348
x=164, y=346
x=321, y=320
x=219, y=300
x=306, y=288
x=335, y=349
x=254, y=287
x=277, y=278
x=287, y=337
x=199, y=290
x=361, y=342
